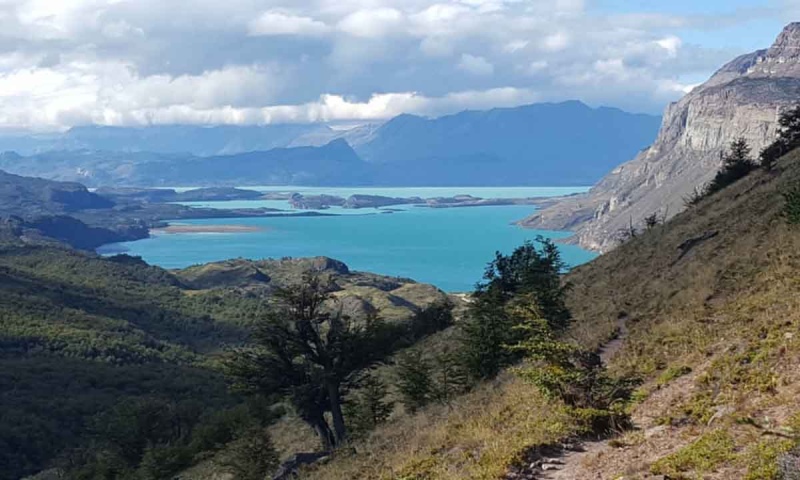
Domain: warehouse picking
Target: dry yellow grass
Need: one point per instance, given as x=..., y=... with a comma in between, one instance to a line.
x=727, y=308
x=291, y=435
x=477, y=437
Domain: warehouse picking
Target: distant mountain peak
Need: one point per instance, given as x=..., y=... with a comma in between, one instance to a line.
x=338, y=143
x=782, y=59
x=788, y=42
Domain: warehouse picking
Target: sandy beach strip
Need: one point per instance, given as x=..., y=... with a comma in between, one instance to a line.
x=177, y=229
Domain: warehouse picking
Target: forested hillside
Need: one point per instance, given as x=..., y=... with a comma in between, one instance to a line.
x=108, y=367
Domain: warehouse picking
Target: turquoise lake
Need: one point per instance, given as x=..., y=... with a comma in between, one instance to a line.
x=447, y=247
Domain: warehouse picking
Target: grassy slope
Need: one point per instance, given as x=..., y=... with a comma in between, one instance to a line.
x=727, y=309
x=475, y=437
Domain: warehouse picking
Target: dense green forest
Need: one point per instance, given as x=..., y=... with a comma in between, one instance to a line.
x=112, y=368
x=80, y=334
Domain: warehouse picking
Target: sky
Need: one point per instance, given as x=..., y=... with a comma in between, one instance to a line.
x=66, y=63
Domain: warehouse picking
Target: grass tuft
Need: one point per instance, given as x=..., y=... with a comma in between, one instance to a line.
x=702, y=456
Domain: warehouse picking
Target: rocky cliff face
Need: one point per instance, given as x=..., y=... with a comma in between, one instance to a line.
x=743, y=99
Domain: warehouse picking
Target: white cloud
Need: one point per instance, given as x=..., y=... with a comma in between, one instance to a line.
x=114, y=93
x=556, y=42
x=671, y=44
x=373, y=23
x=516, y=45
x=475, y=65
x=437, y=46
x=537, y=66
x=250, y=61
x=280, y=23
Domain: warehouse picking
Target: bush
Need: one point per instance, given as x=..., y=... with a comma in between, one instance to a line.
x=484, y=339
x=594, y=421
x=736, y=164
x=432, y=319
x=367, y=407
x=791, y=208
x=770, y=154
x=651, y=221
x=763, y=459
x=530, y=271
x=672, y=373
x=220, y=428
x=702, y=456
x=253, y=456
x=450, y=377
x=414, y=380
x=574, y=376
x=161, y=462
x=695, y=197
x=788, y=139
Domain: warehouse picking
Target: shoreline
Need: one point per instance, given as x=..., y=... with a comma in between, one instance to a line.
x=182, y=229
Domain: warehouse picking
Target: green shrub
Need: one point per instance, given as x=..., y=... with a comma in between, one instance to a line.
x=451, y=379
x=574, y=376
x=367, y=407
x=220, y=428
x=672, y=373
x=597, y=421
x=700, y=408
x=414, y=380
x=791, y=209
x=161, y=462
x=253, y=456
x=762, y=458
x=736, y=164
x=704, y=455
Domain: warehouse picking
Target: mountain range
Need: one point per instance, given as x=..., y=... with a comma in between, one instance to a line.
x=742, y=100
x=564, y=143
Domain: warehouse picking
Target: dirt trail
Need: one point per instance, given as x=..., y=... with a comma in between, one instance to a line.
x=611, y=348
x=572, y=463
x=567, y=463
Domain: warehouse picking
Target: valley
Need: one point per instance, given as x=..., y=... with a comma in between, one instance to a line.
x=199, y=283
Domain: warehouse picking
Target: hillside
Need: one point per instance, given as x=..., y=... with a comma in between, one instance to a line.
x=85, y=339
x=333, y=163
x=164, y=139
x=710, y=295
x=36, y=210
x=743, y=99
x=704, y=310
x=30, y=197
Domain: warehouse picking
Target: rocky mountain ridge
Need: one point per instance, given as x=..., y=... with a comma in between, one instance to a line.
x=567, y=143
x=743, y=99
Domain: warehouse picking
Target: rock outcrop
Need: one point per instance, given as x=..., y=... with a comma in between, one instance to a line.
x=358, y=293
x=743, y=99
